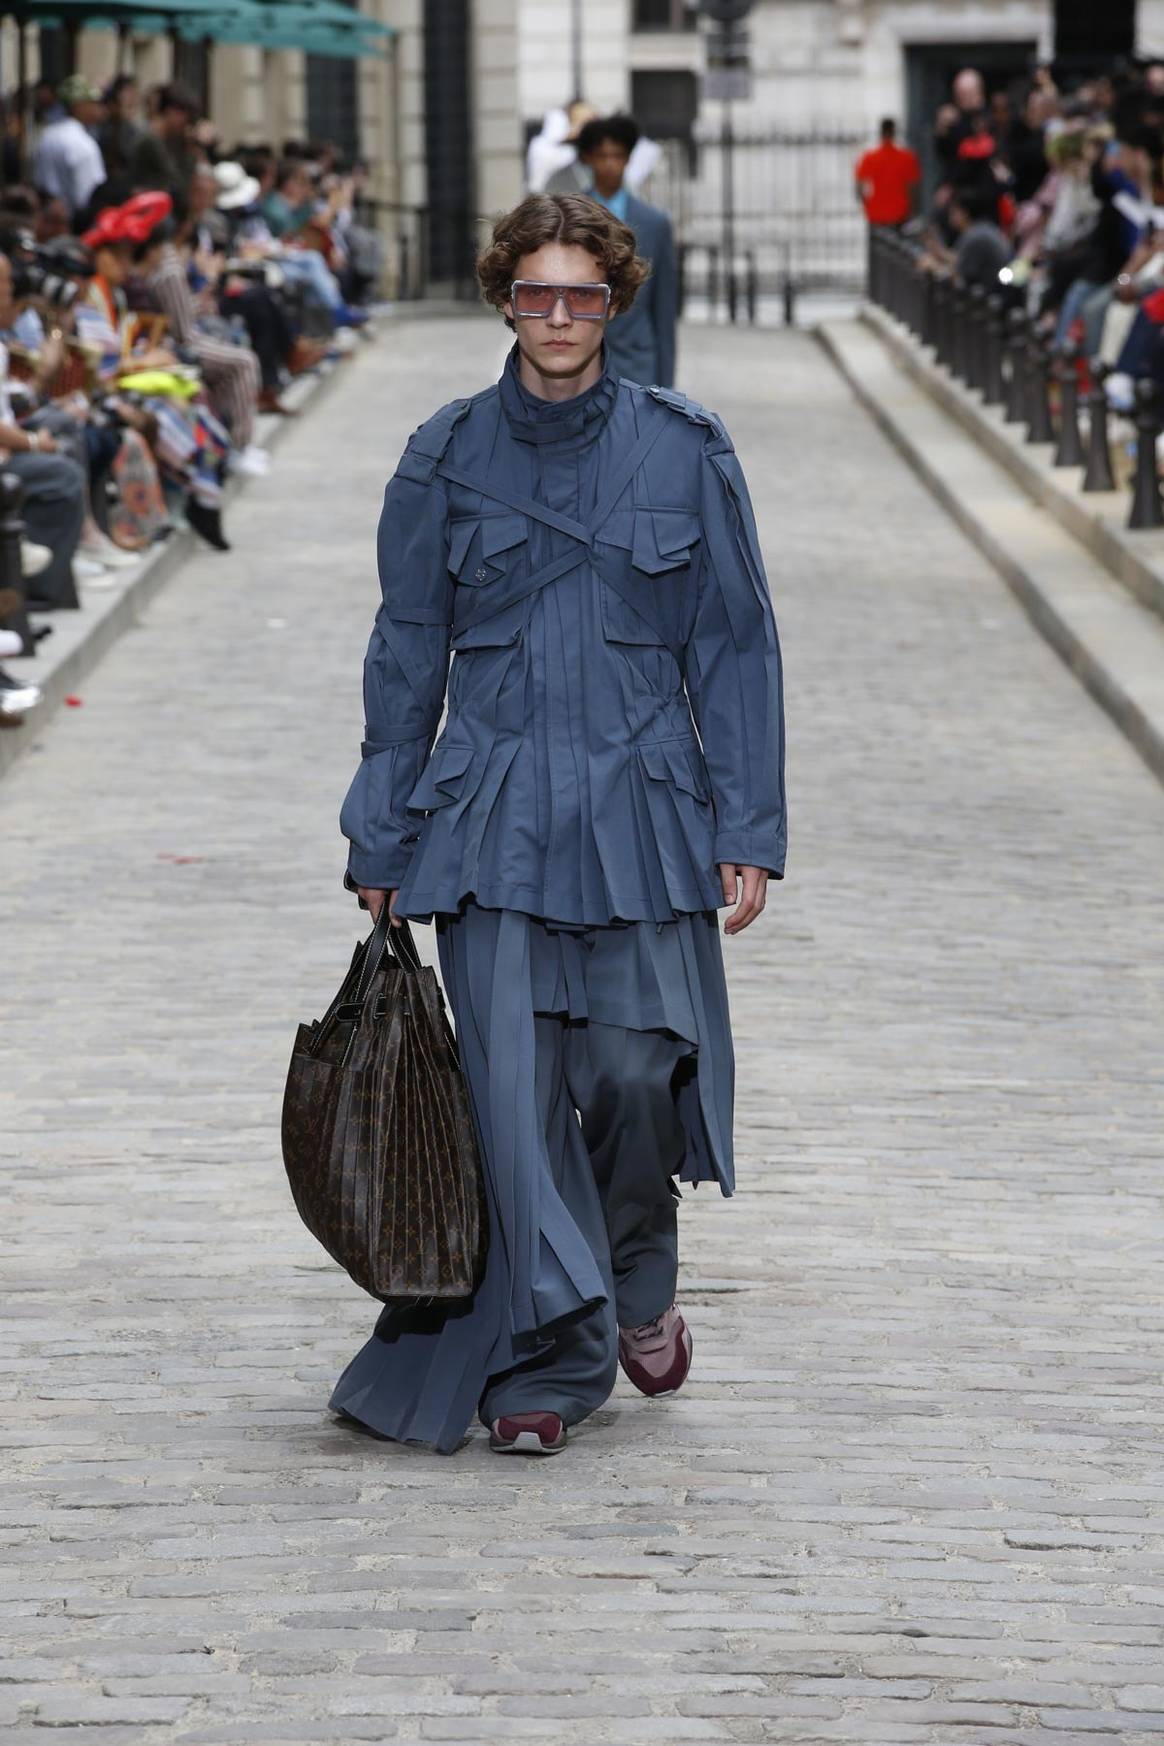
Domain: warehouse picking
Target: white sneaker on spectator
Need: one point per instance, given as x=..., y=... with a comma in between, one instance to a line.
x=103, y=551
x=253, y=461
x=16, y=697
x=92, y=573
x=34, y=558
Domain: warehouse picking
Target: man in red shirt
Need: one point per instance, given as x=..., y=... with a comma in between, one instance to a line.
x=887, y=178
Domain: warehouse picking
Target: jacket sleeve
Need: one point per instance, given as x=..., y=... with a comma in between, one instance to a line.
x=665, y=272
x=405, y=671
x=733, y=672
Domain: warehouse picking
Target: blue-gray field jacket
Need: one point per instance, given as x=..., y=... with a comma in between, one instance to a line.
x=615, y=708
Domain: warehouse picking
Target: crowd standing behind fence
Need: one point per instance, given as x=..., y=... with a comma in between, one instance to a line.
x=1037, y=271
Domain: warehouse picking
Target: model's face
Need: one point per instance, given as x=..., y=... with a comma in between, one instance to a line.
x=557, y=345
x=607, y=164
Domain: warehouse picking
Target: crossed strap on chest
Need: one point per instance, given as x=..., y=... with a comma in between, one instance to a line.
x=584, y=533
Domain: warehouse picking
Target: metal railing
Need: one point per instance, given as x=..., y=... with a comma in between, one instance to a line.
x=987, y=340
x=797, y=227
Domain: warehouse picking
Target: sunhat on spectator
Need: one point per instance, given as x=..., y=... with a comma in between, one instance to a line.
x=235, y=187
x=131, y=223
x=142, y=215
x=106, y=231
x=77, y=89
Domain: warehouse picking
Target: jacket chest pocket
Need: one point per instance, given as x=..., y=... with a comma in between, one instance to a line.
x=651, y=551
x=486, y=548
x=486, y=552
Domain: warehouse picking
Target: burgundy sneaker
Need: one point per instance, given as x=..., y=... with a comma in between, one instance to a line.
x=657, y=1356
x=527, y=1434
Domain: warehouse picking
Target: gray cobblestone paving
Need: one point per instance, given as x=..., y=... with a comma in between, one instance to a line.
x=913, y=1491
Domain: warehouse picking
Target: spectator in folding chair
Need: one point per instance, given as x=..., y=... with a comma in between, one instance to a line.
x=231, y=372
x=190, y=444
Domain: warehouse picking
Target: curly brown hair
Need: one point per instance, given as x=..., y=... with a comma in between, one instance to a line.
x=563, y=218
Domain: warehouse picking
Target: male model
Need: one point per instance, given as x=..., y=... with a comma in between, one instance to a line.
x=610, y=771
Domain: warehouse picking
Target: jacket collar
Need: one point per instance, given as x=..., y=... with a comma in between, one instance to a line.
x=533, y=420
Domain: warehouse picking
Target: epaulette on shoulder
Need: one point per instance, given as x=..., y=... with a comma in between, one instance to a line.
x=690, y=409
x=427, y=445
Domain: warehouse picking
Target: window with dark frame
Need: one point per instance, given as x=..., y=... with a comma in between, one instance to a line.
x=664, y=15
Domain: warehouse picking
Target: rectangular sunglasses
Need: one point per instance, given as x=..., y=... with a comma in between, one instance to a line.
x=583, y=302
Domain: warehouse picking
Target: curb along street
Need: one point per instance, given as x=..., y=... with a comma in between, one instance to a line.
x=80, y=639
x=1101, y=629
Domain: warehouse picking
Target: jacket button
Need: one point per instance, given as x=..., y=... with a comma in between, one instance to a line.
x=480, y=573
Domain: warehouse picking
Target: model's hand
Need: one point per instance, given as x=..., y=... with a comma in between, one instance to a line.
x=754, y=883
x=374, y=899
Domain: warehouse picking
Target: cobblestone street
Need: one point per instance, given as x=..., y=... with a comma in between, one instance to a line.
x=914, y=1490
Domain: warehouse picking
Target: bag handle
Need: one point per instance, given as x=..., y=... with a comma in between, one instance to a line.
x=384, y=937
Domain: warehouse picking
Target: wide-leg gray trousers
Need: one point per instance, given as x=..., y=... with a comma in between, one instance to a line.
x=614, y=1138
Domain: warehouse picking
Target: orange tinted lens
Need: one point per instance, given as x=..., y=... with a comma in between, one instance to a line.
x=530, y=299
x=586, y=299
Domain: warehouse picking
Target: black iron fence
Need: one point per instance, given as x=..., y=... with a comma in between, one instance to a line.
x=987, y=340
x=792, y=227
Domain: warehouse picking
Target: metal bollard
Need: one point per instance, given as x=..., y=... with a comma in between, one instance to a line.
x=928, y=332
x=942, y=294
x=1147, y=510
x=1069, y=448
x=976, y=337
x=11, y=569
x=1016, y=339
x=992, y=384
x=959, y=330
x=1098, y=475
x=1039, y=426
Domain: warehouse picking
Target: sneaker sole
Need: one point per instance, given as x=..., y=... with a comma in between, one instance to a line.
x=527, y=1443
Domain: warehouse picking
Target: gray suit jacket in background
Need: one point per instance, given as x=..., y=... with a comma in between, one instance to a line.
x=641, y=343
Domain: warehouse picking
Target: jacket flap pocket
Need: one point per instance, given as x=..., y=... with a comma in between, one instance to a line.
x=450, y=762
x=500, y=532
x=662, y=538
x=676, y=761
x=442, y=778
x=460, y=538
x=499, y=632
x=475, y=560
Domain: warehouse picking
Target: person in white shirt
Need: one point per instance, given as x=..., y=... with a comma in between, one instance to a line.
x=68, y=163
